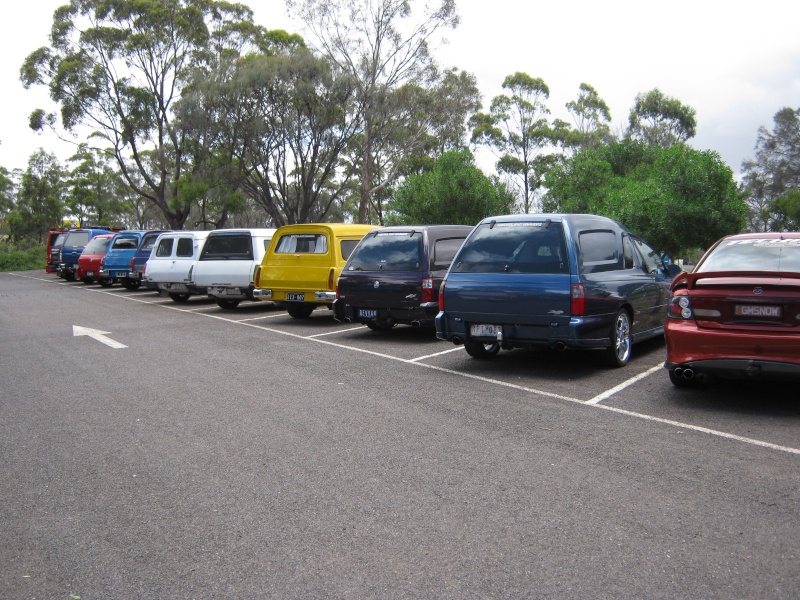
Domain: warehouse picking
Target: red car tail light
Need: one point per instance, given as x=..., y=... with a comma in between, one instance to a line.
x=577, y=303
x=427, y=289
x=680, y=307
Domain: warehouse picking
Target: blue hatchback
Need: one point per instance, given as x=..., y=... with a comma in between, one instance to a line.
x=117, y=261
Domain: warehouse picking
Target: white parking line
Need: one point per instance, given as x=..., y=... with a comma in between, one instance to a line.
x=448, y=351
x=280, y=314
x=618, y=388
x=316, y=335
x=593, y=403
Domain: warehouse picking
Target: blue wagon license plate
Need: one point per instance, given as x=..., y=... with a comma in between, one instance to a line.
x=481, y=330
x=367, y=313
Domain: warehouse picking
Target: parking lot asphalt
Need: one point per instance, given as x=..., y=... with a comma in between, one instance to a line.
x=406, y=469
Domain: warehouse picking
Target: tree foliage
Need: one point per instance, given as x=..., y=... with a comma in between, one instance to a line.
x=592, y=119
x=454, y=191
x=517, y=129
x=38, y=205
x=385, y=46
x=677, y=198
x=774, y=173
x=118, y=67
x=660, y=120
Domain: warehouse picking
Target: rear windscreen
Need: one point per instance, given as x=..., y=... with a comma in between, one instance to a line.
x=228, y=247
x=77, y=239
x=302, y=243
x=125, y=243
x=754, y=255
x=98, y=245
x=521, y=247
x=391, y=251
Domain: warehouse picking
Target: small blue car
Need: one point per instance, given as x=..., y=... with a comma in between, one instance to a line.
x=117, y=261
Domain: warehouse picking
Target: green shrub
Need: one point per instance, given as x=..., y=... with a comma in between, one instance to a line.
x=28, y=259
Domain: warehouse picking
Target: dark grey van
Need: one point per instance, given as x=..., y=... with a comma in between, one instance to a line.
x=393, y=275
x=556, y=280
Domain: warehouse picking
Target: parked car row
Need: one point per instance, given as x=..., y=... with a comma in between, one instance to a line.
x=559, y=281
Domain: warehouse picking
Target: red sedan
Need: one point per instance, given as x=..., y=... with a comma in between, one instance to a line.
x=737, y=314
x=91, y=260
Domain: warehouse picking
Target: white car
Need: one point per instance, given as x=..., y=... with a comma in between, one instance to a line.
x=171, y=263
x=228, y=262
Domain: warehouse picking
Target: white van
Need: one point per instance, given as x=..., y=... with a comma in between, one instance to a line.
x=171, y=263
x=228, y=262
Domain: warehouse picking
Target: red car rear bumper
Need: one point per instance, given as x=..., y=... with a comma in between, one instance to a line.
x=737, y=353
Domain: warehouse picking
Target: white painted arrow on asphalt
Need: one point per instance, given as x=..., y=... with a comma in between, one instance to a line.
x=96, y=334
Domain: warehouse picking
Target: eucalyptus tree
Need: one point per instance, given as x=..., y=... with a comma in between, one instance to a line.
x=774, y=172
x=660, y=120
x=519, y=132
x=385, y=46
x=592, y=119
x=278, y=126
x=38, y=205
x=91, y=188
x=117, y=67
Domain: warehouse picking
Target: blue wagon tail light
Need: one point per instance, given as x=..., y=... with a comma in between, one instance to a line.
x=577, y=303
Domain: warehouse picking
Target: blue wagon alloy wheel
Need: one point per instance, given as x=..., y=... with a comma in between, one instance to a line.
x=619, y=353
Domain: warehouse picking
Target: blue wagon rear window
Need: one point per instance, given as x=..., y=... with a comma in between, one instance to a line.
x=523, y=247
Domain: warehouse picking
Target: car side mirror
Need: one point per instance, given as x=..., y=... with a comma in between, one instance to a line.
x=674, y=270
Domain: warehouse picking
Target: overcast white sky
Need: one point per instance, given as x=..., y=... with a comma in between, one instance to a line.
x=736, y=63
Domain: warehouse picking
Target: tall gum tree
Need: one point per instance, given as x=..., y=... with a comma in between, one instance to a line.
x=517, y=129
x=117, y=67
x=385, y=46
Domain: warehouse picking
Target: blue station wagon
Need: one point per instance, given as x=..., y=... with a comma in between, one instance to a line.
x=553, y=280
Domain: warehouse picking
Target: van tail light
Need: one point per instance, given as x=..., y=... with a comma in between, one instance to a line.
x=441, y=296
x=330, y=280
x=257, y=277
x=427, y=289
x=577, y=304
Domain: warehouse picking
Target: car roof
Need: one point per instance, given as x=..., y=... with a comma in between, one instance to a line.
x=770, y=235
x=258, y=231
x=335, y=228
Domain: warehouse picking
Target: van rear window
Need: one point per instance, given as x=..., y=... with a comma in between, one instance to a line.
x=302, y=243
x=390, y=251
x=520, y=247
x=228, y=247
x=165, y=247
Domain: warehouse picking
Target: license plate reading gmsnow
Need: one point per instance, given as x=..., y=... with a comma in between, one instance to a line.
x=758, y=310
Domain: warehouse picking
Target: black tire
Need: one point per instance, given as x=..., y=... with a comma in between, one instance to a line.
x=619, y=353
x=297, y=310
x=227, y=304
x=179, y=297
x=374, y=326
x=68, y=276
x=682, y=382
x=106, y=281
x=130, y=284
x=482, y=350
